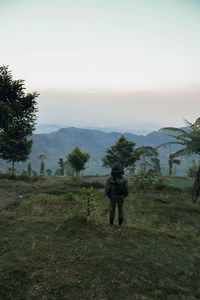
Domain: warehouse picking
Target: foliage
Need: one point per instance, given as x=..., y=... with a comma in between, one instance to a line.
x=142, y=180
x=123, y=152
x=62, y=166
x=149, y=160
x=77, y=160
x=189, y=139
x=69, y=196
x=14, y=148
x=24, y=172
x=196, y=186
x=172, y=160
x=49, y=172
x=42, y=168
x=57, y=172
x=161, y=184
x=192, y=169
x=17, y=118
x=29, y=169
x=88, y=197
x=42, y=158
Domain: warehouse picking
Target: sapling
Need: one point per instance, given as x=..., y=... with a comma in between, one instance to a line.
x=88, y=196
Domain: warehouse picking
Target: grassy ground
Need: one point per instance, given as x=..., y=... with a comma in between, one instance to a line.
x=180, y=181
x=50, y=250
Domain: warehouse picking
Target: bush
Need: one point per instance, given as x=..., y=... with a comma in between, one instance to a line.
x=161, y=184
x=95, y=184
x=142, y=180
x=164, y=185
x=69, y=196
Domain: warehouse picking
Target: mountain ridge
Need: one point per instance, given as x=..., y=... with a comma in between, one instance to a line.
x=57, y=144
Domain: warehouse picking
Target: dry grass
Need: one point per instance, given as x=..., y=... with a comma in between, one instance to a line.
x=50, y=250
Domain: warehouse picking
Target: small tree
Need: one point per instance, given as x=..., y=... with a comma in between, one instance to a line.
x=172, y=160
x=29, y=169
x=49, y=172
x=123, y=152
x=68, y=169
x=17, y=118
x=42, y=158
x=77, y=160
x=62, y=166
x=14, y=148
x=57, y=172
x=88, y=197
x=149, y=160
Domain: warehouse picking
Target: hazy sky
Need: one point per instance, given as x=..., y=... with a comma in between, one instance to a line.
x=127, y=64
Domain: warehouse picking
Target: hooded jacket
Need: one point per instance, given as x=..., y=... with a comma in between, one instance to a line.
x=114, y=192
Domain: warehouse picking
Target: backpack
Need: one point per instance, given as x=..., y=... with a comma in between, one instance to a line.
x=119, y=187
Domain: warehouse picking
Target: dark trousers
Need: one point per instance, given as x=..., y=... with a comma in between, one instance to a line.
x=113, y=203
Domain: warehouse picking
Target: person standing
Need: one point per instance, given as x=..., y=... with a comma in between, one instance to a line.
x=116, y=190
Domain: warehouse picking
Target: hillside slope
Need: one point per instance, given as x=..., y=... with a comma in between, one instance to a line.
x=50, y=250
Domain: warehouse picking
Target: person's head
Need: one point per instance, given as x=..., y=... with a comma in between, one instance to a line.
x=117, y=170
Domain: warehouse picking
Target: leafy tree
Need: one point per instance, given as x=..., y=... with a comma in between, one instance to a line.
x=62, y=166
x=77, y=160
x=123, y=152
x=196, y=186
x=42, y=158
x=49, y=172
x=24, y=172
x=189, y=139
x=14, y=149
x=57, y=172
x=156, y=165
x=9, y=171
x=172, y=160
x=17, y=118
x=68, y=169
x=192, y=169
x=42, y=168
x=29, y=169
x=150, y=160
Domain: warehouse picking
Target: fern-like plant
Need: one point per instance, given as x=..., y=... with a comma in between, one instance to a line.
x=189, y=139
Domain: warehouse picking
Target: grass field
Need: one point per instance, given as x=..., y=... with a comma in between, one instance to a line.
x=49, y=249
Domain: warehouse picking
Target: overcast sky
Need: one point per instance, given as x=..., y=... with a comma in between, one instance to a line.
x=106, y=63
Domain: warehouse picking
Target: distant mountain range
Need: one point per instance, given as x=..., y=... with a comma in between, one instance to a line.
x=48, y=128
x=57, y=144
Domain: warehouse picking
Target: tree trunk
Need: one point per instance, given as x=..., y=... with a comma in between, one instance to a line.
x=170, y=168
x=196, y=186
x=13, y=168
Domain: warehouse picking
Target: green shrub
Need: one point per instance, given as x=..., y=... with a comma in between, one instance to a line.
x=164, y=185
x=161, y=184
x=94, y=184
x=75, y=179
x=69, y=196
x=142, y=180
x=88, y=199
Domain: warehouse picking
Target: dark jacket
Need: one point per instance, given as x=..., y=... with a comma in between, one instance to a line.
x=112, y=191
